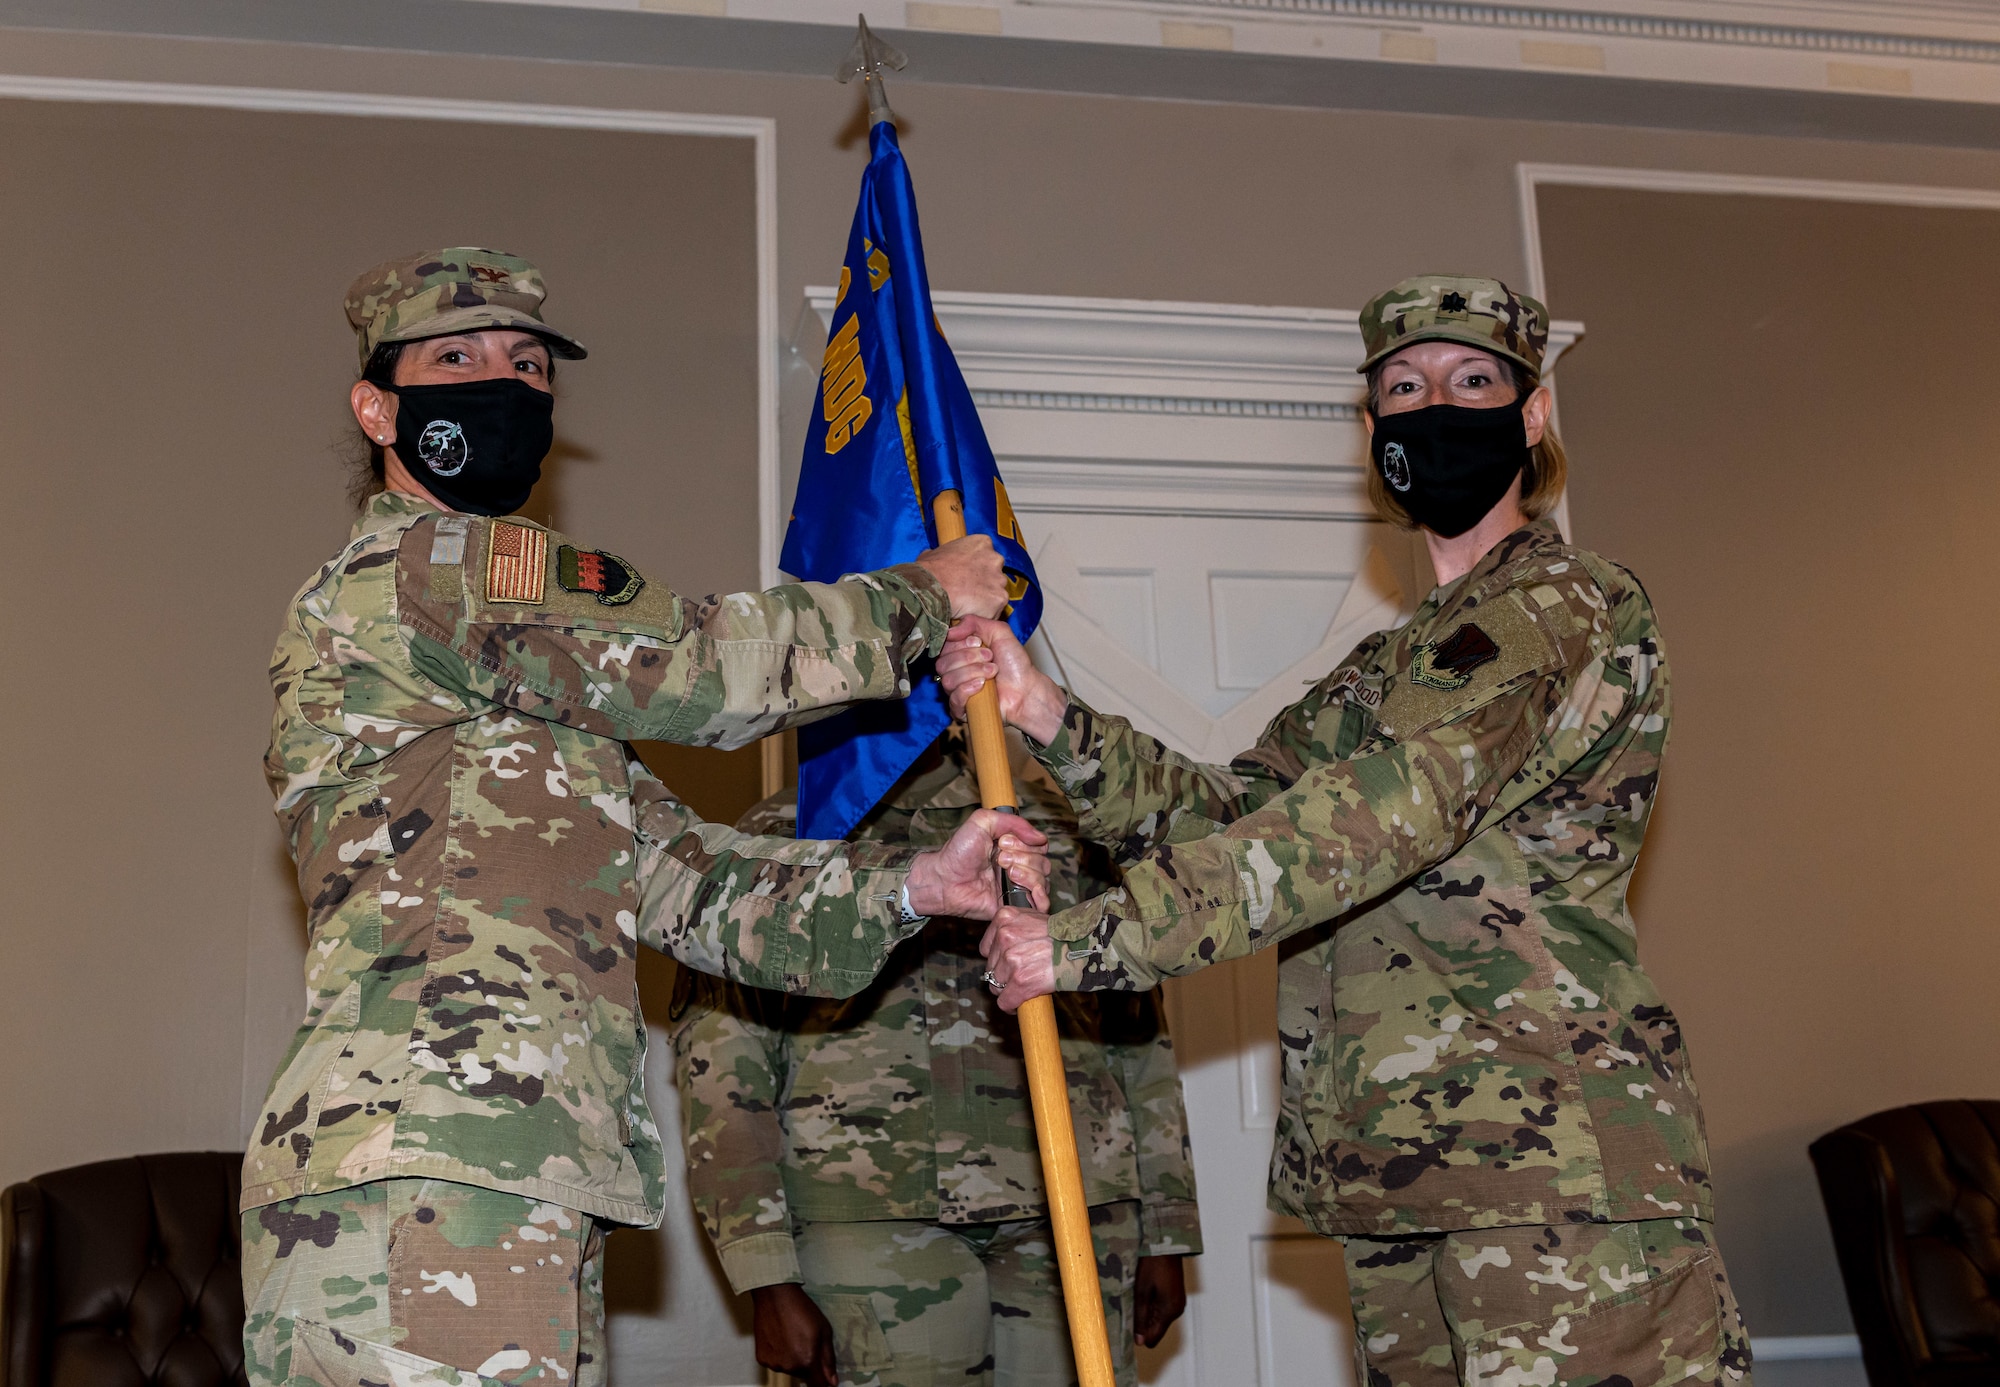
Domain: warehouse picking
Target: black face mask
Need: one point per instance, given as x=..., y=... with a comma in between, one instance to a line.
x=476, y=446
x=1448, y=465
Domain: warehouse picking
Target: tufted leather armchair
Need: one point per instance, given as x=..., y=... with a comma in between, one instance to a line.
x=1914, y=1198
x=124, y=1274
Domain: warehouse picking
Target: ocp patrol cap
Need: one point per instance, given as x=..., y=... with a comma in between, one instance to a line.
x=1479, y=312
x=458, y=289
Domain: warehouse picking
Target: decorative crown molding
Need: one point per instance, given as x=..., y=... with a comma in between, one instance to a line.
x=1612, y=24
x=1160, y=404
x=1875, y=49
x=1123, y=406
x=1035, y=351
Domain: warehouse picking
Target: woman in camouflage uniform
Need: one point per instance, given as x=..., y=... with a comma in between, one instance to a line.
x=461, y=1113
x=1485, y=1098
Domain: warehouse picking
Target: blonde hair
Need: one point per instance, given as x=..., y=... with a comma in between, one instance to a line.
x=1542, y=480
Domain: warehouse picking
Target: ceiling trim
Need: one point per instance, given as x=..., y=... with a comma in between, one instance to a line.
x=1662, y=24
x=1882, y=52
x=1136, y=48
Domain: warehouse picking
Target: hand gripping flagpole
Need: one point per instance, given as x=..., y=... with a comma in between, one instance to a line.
x=1048, y=1085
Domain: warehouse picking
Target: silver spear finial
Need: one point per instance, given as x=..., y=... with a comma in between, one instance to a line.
x=866, y=61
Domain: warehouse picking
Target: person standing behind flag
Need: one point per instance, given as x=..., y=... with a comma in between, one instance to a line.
x=461, y=1112
x=867, y=1169
x=893, y=429
x=896, y=459
x=1484, y=1096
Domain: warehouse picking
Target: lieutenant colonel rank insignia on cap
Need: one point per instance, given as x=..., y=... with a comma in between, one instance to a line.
x=1448, y=664
x=516, y=563
x=604, y=576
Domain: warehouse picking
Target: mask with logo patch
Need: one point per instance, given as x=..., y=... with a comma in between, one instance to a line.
x=1448, y=465
x=476, y=445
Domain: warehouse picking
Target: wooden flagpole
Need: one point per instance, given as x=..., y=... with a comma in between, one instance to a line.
x=1048, y=1086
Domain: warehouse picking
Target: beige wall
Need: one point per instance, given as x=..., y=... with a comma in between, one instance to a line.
x=1778, y=425
x=176, y=368
x=168, y=484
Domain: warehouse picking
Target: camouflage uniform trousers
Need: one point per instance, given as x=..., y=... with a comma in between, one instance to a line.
x=1580, y=1305
x=915, y=1303
x=423, y=1283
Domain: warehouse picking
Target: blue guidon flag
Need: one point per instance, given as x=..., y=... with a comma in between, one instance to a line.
x=893, y=428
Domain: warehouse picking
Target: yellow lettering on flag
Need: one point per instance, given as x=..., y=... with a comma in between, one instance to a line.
x=1010, y=526
x=844, y=385
x=845, y=276
x=878, y=265
x=909, y=442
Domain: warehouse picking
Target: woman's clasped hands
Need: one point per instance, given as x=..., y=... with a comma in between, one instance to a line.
x=1019, y=955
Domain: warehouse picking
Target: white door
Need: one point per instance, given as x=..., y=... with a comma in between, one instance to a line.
x=1199, y=629
x=1189, y=478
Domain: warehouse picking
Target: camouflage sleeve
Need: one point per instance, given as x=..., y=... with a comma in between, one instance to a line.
x=1348, y=831
x=729, y=1063
x=511, y=615
x=1137, y=1048
x=793, y=915
x=1133, y=793
x=1142, y=1055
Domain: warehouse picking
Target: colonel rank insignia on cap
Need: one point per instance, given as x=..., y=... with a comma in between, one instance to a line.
x=604, y=576
x=1448, y=664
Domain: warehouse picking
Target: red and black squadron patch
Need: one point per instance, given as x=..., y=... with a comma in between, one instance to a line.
x=604, y=576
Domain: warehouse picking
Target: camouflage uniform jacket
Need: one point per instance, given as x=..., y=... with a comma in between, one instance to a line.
x=1444, y=829
x=909, y=1101
x=480, y=854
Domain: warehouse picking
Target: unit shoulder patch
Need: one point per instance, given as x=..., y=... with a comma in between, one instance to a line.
x=516, y=564
x=606, y=577
x=1443, y=679
x=1448, y=664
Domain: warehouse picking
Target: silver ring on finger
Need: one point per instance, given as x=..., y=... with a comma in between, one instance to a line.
x=991, y=981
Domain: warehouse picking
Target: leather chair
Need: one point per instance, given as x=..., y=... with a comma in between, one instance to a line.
x=124, y=1274
x=1913, y=1195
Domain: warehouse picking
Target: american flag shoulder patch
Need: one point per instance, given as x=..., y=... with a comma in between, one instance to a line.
x=516, y=564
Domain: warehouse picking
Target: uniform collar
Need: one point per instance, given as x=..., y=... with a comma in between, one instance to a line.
x=1530, y=538
x=386, y=509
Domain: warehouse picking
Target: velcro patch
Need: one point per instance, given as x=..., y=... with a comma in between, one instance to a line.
x=1448, y=677
x=448, y=559
x=516, y=564
x=448, y=540
x=1448, y=664
x=604, y=576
